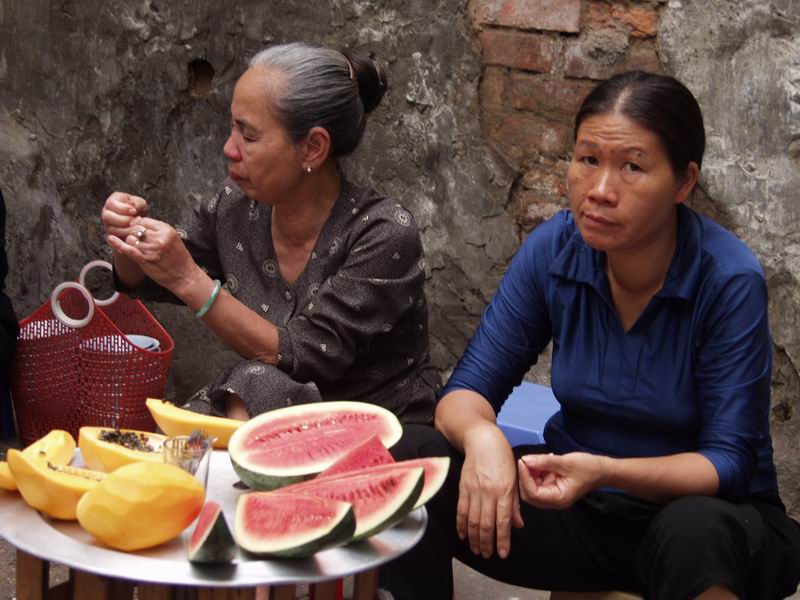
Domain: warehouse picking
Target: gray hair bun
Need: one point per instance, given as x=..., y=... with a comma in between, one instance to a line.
x=371, y=79
x=323, y=88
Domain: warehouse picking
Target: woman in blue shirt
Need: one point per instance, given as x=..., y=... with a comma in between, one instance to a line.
x=657, y=476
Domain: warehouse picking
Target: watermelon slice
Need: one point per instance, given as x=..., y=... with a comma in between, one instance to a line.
x=211, y=541
x=379, y=499
x=271, y=524
x=288, y=445
x=369, y=453
x=436, y=468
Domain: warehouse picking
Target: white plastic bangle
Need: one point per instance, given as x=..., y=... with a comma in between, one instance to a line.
x=82, y=280
x=59, y=313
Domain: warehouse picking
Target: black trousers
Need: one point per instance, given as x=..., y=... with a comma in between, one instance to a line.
x=607, y=541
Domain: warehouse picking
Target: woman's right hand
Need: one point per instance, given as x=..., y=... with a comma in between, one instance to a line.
x=119, y=212
x=119, y=216
x=488, y=499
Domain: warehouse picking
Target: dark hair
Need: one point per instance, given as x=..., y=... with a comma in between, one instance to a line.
x=321, y=90
x=659, y=103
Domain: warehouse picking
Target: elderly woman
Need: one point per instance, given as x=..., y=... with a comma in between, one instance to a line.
x=657, y=476
x=323, y=279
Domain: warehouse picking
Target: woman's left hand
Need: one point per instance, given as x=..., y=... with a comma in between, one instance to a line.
x=550, y=481
x=159, y=251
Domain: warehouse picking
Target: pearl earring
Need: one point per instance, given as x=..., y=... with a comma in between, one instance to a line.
x=308, y=169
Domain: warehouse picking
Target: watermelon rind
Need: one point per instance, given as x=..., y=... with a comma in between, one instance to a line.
x=399, y=499
x=307, y=439
x=293, y=544
x=436, y=468
x=217, y=544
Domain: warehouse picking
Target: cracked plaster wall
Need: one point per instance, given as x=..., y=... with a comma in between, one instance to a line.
x=741, y=58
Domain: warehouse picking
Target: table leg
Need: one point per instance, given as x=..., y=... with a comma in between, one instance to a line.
x=282, y=592
x=365, y=585
x=327, y=590
x=62, y=591
x=152, y=591
x=33, y=577
x=89, y=585
x=227, y=593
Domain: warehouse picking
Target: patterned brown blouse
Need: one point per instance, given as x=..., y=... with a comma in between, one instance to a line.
x=353, y=326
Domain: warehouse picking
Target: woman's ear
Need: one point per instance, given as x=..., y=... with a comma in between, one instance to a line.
x=688, y=183
x=316, y=147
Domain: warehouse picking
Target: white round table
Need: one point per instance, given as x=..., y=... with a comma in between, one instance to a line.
x=67, y=543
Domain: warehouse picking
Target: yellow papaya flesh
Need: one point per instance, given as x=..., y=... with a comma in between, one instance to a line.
x=178, y=421
x=6, y=478
x=141, y=505
x=53, y=489
x=57, y=447
x=109, y=456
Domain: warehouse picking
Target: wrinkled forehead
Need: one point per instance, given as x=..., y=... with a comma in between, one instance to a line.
x=260, y=86
x=616, y=130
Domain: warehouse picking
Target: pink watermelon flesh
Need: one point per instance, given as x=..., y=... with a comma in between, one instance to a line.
x=435, y=472
x=211, y=540
x=369, y=453
x=269, y=524
x=298, y=442
x=379, y=499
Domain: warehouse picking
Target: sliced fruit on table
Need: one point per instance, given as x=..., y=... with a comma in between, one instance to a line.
x=141, y=505
x=435, y=467
x=270, y=524
x=369, y=453
x=173, y=421
x=104, y=449
x=291, y=444
x=379, y=499
x=211, y=540
x=53, y=489
x=57, y=446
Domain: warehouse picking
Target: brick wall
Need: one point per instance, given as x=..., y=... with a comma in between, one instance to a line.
x=541, y=57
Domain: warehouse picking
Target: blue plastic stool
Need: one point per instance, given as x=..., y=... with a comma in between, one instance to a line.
x=524, y=414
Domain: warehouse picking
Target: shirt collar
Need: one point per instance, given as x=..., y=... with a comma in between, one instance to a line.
x=578, y=262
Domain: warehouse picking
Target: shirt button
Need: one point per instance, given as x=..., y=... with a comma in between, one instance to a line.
x=288, y=295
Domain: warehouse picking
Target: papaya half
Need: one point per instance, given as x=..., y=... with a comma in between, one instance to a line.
x=141, y=505
x=57, y=447
x=179, y=421
x=102, y=451
x=52, y=489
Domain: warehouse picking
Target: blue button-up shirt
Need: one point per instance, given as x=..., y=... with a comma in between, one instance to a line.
x=691, y=375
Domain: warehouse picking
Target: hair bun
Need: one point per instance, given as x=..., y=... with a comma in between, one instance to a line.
x=371, y=79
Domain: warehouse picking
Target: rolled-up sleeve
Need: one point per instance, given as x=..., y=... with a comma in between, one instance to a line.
x=732, y=374
x=381, y=278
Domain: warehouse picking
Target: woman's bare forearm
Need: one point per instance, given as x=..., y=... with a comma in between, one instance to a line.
x=462, y=414
x=661, y=478
x=237, y=326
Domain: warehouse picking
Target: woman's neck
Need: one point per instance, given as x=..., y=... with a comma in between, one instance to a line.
x=643, y=271
x=299, y=221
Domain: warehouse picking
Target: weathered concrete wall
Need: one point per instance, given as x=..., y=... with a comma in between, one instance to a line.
x=133, y=95
x=741, y=58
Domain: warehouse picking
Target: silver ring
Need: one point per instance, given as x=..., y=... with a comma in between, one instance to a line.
x=141, y=234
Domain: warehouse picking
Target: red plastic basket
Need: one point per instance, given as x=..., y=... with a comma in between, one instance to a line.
x=65, y=377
